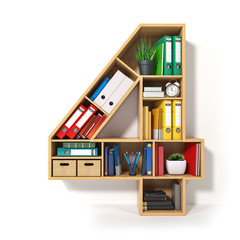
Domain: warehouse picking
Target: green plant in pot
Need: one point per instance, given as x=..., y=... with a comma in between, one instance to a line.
x=176, y=164
x=145, y=55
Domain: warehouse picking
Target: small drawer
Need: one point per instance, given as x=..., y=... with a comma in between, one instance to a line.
x=64, y=168
x=89, y=168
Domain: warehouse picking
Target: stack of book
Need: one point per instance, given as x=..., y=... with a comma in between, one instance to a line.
x=83, y=123
x=77, y=149
x=156, y=200
x=164, y=122
x=153, y=92
x=112, y=161
x=168, y=55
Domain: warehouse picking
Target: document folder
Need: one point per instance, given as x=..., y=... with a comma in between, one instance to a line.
x=176, y=119
x=177, y=55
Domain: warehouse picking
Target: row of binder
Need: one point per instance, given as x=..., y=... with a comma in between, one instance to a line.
x=168, y=55
x=111, y=91
x=164, y=122
x=83, y=123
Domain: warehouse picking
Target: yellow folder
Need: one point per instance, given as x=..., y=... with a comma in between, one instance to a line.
x=176, y=119
x=156, y=131
x=145, y=122
x=165, y=107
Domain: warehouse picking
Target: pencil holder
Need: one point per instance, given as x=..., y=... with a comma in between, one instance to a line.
x=132, y=163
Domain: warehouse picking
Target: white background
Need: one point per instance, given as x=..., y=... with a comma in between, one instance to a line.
x=50, y=52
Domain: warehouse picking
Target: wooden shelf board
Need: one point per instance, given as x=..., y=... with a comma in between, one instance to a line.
x=93, y=103
x=117, y=140
x=162, y=98
x=163, y=213
x=161, y=77
x=75, y=157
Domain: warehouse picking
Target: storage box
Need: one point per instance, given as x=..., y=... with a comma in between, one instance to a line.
x=89, y=168
x=64, y=168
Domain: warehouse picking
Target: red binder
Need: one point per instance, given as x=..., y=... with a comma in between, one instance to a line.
x=161, y=160
x=190, y=156
x=76, y=127
x=68, y=124
x=95, y=128
x=156, y=160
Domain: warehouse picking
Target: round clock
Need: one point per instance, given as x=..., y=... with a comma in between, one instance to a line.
x=173, y=89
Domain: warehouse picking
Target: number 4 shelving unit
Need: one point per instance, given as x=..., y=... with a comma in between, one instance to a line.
x=125, y=61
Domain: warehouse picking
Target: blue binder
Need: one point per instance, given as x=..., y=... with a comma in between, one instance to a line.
x=111, y=165
x=149, y=159
x=118, y=166
x=100, y=88
x=106, y=161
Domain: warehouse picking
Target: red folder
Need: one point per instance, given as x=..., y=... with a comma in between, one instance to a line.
x=190, y=156
x=95, y=128
x=76, y=127
x=156, y=160
x=91, y=125
x=68, y=124
x=161, y=160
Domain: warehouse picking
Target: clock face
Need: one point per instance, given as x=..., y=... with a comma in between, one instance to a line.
x=172, y=90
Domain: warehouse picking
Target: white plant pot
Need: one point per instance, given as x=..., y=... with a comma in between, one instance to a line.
x=176, y=167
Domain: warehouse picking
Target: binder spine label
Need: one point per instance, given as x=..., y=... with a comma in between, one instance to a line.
x=168, y=50
x=85, y=117
x=74, y=117
x=178, y=114
x=168, y=114
x=178, y=50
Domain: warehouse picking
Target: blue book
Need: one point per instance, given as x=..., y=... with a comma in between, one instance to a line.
x=144, y=161
x=118, y=166
x=111, y=165
x=100, y=88
x=106, y=161
x=149, y=159
x=77, y=152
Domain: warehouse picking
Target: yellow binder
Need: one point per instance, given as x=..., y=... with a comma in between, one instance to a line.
x=145, y=122
x=176, y=119
x=166, y=119
x=156, y=131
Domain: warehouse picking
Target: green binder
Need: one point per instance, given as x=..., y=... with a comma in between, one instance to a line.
x=177, y=55
x=158, y=64
x=167, y=58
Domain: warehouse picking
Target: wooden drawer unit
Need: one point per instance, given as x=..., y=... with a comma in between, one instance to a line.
x=89, y=168
x=64, y=168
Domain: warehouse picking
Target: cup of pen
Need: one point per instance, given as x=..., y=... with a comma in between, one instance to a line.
x=132, y=163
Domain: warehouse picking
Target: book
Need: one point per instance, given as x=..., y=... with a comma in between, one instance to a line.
x=153, y=94
x=152, y=89
x=77, y=152
x=154, y=196
x=111, y=164
x=79, y=135
x=145, y=122
x=161, y=160
x=144, y=159
x=95, y=128
x=79, y=145
x=117, y=160
x=170, y=207
x=106, y=160
x=176, y=196
x=149, y=159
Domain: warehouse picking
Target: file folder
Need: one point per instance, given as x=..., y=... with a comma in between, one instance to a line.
x=176, y=120
x=156, y=117
x=166, y=119
x=167, y=59
x=145, y=122
x=107, y=91
x=118, y=166
x=73, y=118
x=76, y=127
x=117, y=95
x=158, y=64
x=77, y=152
x=177, y=55
x=99, y=89
x=149, y=159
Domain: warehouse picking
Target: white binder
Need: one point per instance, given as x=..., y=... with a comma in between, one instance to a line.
x=117, y=95
x=109, y=88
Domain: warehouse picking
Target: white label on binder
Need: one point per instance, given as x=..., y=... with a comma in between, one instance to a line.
x=178, y=114
x=168, y=114
x=75, y=152
x=85, y=117
x=74, y=117
x=178, y=50
x=168, y=50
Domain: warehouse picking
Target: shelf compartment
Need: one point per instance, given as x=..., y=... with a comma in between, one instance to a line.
x=166, y=186
x=132, y=147
x=156, y=32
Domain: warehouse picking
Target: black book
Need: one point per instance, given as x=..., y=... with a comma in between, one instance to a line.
x=171, y=207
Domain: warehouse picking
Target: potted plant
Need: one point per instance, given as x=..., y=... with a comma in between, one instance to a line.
x=145, y=54
x=176, y=164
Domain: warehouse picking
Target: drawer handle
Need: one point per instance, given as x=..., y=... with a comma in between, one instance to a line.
x=64, y=164
x=88, y=164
